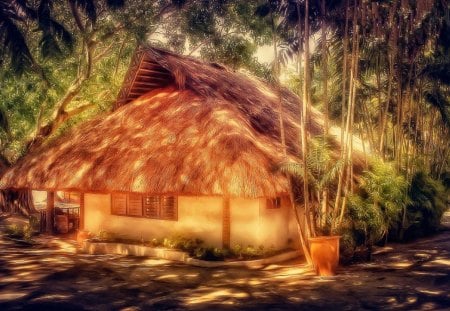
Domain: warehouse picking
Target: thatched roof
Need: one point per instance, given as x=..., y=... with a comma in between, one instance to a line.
x=200, y=130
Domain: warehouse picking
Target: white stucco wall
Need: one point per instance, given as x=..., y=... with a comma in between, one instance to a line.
x=199, y=217
x=253, y=224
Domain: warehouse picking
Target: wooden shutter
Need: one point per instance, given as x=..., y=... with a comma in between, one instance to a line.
x=134, y=204
x=169, y=208
x=273, y=203
x=119, y=204
x=151, y=206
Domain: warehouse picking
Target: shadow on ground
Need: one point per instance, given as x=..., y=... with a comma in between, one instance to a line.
x=51, y=276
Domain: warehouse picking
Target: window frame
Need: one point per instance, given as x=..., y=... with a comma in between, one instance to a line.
x=161, y=215
x=273, y=203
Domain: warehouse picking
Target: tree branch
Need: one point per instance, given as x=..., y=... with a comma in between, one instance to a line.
x=77, y=111
x=76, y=16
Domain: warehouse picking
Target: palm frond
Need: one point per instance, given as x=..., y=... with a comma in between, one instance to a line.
x=15, y=45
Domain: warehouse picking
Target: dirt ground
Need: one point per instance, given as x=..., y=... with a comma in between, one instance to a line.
x=52, y=276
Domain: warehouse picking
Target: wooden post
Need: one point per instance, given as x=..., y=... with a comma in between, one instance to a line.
x=226, y=221
x=50, y=211
x=81, y=211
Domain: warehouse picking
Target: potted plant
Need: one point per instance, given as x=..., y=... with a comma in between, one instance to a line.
x=322, y=215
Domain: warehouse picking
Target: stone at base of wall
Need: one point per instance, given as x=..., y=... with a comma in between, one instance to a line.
x=97, y=248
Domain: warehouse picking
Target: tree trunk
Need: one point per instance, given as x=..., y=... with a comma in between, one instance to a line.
x=304, y=122
x=326, y=109
x=343, y=113
x=17, y=201
x=348, y=141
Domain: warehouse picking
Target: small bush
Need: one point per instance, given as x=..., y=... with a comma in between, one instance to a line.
x=251, y=252
x=34, y=221
x=209, y=253
x=14, y=231
x=156, y=242
x=188, y=245
x=105, y=236
x=375, y=210
x=24, y=233
x=428, y=204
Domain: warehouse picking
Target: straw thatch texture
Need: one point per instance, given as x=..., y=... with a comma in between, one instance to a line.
x=211, y=132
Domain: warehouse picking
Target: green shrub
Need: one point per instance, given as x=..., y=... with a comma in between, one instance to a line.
x=428, y=203
x=368, y=224
x=28, y=232
x=375, y=210
x=251, y=252
x=209, y=253
x=347, y=245
x=188, y=245
x=105, y=236
x=24, y=233
x=386, y=190
x=156, y=242
x=14, y=231
x=34, y=221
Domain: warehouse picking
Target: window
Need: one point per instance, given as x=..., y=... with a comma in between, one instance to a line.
x=149, y=206
x=134, y=207
x=161, y=207
x=119, y=204
x=273, y=203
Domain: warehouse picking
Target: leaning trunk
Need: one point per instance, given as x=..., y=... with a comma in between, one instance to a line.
x=17, y=201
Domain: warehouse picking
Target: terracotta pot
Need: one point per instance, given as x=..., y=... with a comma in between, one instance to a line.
x=82, y=235
x=61, y=224
x=325, y=254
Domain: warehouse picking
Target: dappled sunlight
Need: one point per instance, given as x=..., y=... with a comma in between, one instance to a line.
x=52, y=274
x=51, y=297
x=11, y=295
x=200, y=129
x=445, y=262
x=167, y=276
x=224, y=296
x=430, y=291
x=294, y=271
x=155, y=262
x=401, y=265
x=429, y=273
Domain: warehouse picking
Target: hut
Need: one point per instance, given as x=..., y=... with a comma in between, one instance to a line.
x=190, y=148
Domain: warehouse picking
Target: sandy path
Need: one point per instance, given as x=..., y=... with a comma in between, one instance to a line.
x=51, y=276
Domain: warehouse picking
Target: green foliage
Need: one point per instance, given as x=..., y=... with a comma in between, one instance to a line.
x=188, y=245
x=234, y=51
x=223, y=31
x=322, y=168
x=367, y=222
x=28, y=98
x=385, y=189
x=154, y=242
x=210, y=253
x=25, y=232
x=428, y=204
x=34, y=221
x=251, y=252
x=377, y=208
x=105, y=236
x=227, y=32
